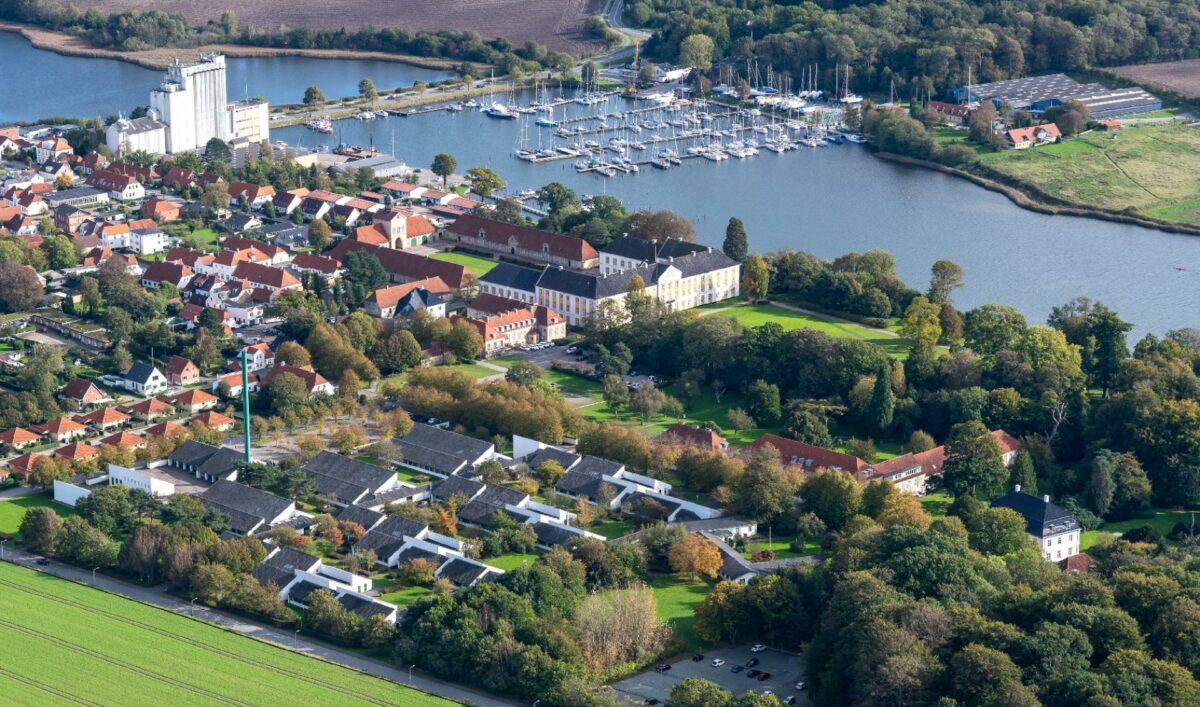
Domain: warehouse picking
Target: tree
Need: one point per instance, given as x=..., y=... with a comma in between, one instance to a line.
x=737, y=244
x=659, y=225
x=464, y=340
x=59, y=252
x=1108, y=332
x=366, y=89
x=763, y=403
x=833, y=496
x=80, y=543
x=347, y=439
x=20, y=289
x=808, y=426
x=484, y=181
x=558, y=197
x=314, y=97
x=1023, y=474
x=698, y=692
x=973, y=464
x=883, y=402
x=39, y=529
x=229, y=24
x=287, y=392
x=922, y=322
x=696, y=51
x=396, y=351
x=947, y=276
x=903, y=509
x=998, y=531
x=739, y=420
x=695, y=556
x=1101, y=485
x=217, y=150
x=756, y=278
x=525, y=374
x=647, y=401
x=319, y=234
x=443, y=166
x=616, y=393
x=549, y=472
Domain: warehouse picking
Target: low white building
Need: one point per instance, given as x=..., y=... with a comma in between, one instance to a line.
x=136, y=135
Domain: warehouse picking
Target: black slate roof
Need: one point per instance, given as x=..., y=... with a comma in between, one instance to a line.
x=365, y=517
x=139, y=372
x=563, y=457
x=550, y=535
x=344, y=478
x=501, y=495
x=1042, y=518
x=364, y=607
x=244, y=504
x=462, y=572
x=597, y=466
x=456, y=484
x=462, y=446
x=513, y=277
x=282, y=565
x=650, y=250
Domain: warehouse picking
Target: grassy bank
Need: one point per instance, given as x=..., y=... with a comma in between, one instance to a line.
x=751, y=315
x=120, y=651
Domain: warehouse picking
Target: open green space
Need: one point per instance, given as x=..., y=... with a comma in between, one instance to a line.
x=511, y=560
x=677, y=599
x=65, y=642
x=404, y=596
x=1163, y=520
x=612, y=528
x=12, y=510
x=474, y=370
x=206, y=238
x=936, y=504
x=1149, y=168
x=478, y=265
x=752, y=315
x=574, y=384
x=782, y=547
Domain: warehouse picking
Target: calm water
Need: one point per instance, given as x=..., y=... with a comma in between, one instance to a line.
x=827, y=201
x=114, y=86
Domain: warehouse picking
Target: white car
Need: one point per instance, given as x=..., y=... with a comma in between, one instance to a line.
x=800, y=685
x=717, y=662
x=757, y=648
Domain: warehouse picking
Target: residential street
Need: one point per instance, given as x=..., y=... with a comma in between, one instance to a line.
x=284, y=639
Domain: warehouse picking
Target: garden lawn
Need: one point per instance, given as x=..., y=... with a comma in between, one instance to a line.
x=72, y=643
x=782, y=547
x=475, y=370
x=677, y=599
x=406, y=595
x=478, y=265
x=577, y=385
x=613, y=528
x=206, y=238
x=12, y=510
x=936, y=504
x=752, y=315
x=1163, y=521
x=511, y=560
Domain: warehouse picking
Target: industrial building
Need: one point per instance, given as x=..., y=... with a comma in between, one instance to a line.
x=1036, y=94
x=188, y=109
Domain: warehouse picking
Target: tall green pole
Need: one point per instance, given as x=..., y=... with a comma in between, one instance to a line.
x=245, y=405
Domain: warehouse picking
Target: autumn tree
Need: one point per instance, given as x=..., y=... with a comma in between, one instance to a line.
x=756, y=278
x=695, y=556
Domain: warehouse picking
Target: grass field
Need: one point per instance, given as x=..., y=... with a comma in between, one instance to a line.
x=404, y=596
x=474, y=370
x=1151, y=168
x=612, y=528
x=65, y=642
x=751, y=315
x=1163, y=521
x=474, y=263
x=13, y=510
x=206, y=238
x=511, y=560
x=781, y=547
x=677, y=600
x=936, y=504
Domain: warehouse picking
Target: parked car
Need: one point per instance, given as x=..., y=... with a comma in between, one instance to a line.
x=717, y=662
x=764, y=676
x=736, y=669
x=790, y=700
x=43, y=561
x=664, y=667
x=698, y=657
x=800, y=685
x=753, y=673
x=757, y=648
x=752, y=662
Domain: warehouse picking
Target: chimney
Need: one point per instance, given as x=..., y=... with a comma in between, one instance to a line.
x=1046, y=498
x=1017, y=488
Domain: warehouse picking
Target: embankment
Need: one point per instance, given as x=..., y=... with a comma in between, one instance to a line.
x=1030, y=197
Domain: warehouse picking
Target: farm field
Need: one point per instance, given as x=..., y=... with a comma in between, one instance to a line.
x=477, y=265
x=751, y=315
x=123, y=652
x=1182, y=77
x=559, y=24
x=1151, y=168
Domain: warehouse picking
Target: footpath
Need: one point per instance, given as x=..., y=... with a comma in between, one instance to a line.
x=289, y=640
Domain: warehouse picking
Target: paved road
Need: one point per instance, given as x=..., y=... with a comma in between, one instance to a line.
x=19, y=491
x=283, y=639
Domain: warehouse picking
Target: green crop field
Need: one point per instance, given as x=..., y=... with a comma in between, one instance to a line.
x=1152, y=168
x=752, y=315
x=65, y=642
x=476, y=264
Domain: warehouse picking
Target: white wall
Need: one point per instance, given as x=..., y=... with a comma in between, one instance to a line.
x=524, y=446
x=138, y=480
x=68, y=494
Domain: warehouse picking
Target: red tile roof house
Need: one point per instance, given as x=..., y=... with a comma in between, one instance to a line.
x=103, y=419
x=158, y=273
x=84, y=393
x=266, y=277
x=693, y=436
x=149, y=409
x=272, y=253
x=230, y=384
x=254, y=194
x=77, y=452
x=405, y=267
x=326, y=268
x=24, y=464
x=1021, y=138
x=316, y=383
x=181, y=371
x=550, y=324
x=164, y=429
x=530, y=244
x=382, y=302
x=160, y=210
x=509, y=328
x=214, y=420
x=194, y=401
x=259, y=356
x=18, y=438
x=124, y=439
x=179, y=178
x=908, y=472
x=61, y=430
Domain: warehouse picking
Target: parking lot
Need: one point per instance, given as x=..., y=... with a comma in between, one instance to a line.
x=546, y=357
x=783, y=667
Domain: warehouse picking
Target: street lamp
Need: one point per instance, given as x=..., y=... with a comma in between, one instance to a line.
x=94, y=574
x=192, y=608
x=296, y=639
x=410, y=672
x=2, y=548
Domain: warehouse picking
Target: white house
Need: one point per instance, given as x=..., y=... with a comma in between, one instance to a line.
x=145, y=380
x=1056, y=531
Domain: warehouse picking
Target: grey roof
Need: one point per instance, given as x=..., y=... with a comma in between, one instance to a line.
x=390, y=535
x=365, y=517
x=399, y=526
x=73, y=194
x=563, y=457
x=597, y=466
x=365, y=607
x=238, y=221
x=479, y=512
x=587, y=485
x=394, y=495
x=456, y=484
x=550, y=535
x=135, y=126
x=247, y=502
x=344, y=478
x=503, y=495
x=650, y=250
x=207, y=460
x=462, y=572
x=281, y=566
x=431, y=458
x=441, y=447
x=1042, y=517
x=591, y=285
x=513, y=277
x=637, y=499
x=416, y=553
x=140, y=372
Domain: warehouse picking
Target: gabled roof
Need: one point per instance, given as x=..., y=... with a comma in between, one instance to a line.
x=344, y=478
x=244, y=503
x=81, y=389
x=649, y=251
x=192, y=397
x=694, y=435
x=164, y=429
x=124, y=439
x=404, y=265
x=17, y=436
x=178, y=365
x=530, y=239
x=212, y=418
x=320, y=263
x=141, y=373
x=265, y=275
x=449, y=448
x=162, y=271
x=149, y=407
x=451, y=485
x=809, y=456
x=57, y=427
x=365, y=517
x=205, y=458
x=104, y=417
x=1042, y=517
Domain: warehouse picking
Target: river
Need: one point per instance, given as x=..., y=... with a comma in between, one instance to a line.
x=827, y=201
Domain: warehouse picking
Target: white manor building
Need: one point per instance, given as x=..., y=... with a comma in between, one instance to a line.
x=1055, y=530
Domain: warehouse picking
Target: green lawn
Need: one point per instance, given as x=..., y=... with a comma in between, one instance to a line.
x=574, y=384
x=13, y=510
x=1163, y=521
x=66, y=642
x=677, y=599
x=411, y=476
x=474, y=370
x=936, y=504
x=511, y=560
x=206, y=238
x=406, y=595
x=781, y=547
x=478, y=265
x=613, y=528
x=751, y=315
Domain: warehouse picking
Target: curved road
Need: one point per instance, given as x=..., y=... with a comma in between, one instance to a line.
x=283, y=639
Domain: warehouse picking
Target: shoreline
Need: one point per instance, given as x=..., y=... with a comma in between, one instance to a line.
x=1025, y=200
x=158, y=59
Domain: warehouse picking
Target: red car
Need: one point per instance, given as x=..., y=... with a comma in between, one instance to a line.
x=764, y=676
